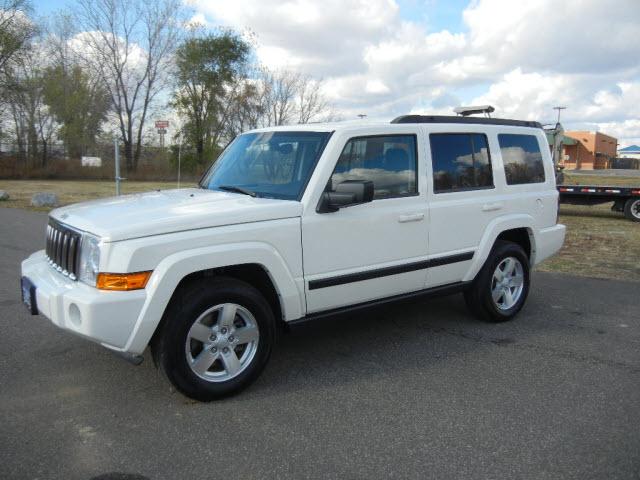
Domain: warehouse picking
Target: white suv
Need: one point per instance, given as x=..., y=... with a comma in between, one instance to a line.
x=296, y=223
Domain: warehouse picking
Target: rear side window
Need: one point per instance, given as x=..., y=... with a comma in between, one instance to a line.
x=522, y=158
x=390, y=162
x=461, y=161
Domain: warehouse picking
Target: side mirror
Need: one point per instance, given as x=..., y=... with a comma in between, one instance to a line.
x=346, y=194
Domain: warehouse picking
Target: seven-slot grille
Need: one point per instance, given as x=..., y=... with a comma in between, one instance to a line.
x=63, y=248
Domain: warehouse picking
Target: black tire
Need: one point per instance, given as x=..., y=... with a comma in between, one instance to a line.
x=479, y=295
x=632, y=209
x=169, y=344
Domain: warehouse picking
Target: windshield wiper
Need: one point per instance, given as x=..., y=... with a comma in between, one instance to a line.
x=233, y=188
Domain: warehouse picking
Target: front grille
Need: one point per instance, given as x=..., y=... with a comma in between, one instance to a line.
x=63, y=248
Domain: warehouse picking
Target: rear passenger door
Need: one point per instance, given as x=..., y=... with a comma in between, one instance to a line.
x=462, y=200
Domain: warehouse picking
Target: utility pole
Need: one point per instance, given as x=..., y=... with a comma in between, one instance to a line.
x=179, y=154
x=117, y=163
x=559, y=109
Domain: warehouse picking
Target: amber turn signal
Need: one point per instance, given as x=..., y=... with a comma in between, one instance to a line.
x=122, y=281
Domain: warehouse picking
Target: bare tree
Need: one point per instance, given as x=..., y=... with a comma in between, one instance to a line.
x=60, y=29
x=287, y=96
x=279, y=91
x=130, y=44
x=311, y=101
x=244, y=111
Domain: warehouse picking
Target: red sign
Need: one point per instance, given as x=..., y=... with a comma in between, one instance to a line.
x=162, y=123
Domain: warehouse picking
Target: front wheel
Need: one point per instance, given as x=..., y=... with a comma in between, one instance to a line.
x=216, y=338
x=501, y=287
x=632, y=209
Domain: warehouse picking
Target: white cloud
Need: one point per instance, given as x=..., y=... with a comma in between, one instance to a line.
x=325, y=37
x=525, y=57
x=376, y=87
x=569, y=36
x=627, y=132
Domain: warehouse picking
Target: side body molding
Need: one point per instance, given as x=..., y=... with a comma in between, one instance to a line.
x=172, y=269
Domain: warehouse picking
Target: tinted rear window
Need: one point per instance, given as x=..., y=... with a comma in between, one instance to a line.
x=522, y=158
x=461, y=161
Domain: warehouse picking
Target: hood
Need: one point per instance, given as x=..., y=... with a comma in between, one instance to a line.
x=166, y=211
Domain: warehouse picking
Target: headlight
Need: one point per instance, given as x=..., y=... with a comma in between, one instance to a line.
x=89, y=259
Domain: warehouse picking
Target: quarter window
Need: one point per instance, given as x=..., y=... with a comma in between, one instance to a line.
x=522, y=158
x=460, y=161
x=390, y=162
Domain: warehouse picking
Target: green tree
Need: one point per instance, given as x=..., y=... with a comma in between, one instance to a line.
x=16, y=29
x=79, y=104
x=209, y=70
x=23, y=98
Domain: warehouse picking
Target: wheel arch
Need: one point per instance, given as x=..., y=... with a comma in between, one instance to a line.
x=258, y=264
x=520, y=236
x=254, y=274
x=514, y=228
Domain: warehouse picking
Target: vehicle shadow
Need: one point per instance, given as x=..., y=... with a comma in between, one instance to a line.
x=389, y=342
x=398, y=340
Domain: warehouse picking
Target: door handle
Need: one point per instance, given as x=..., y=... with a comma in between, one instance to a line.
x=412, y=217
x=490, y=207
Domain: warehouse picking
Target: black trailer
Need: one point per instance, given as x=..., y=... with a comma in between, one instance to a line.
x=625, y=199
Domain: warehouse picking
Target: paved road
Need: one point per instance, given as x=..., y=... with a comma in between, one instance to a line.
x=420, y=390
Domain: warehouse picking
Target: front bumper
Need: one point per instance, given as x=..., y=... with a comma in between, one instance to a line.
x=108, y=318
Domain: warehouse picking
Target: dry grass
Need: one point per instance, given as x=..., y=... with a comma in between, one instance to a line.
x=72, y=191
x=612, y=181
x=599, y=243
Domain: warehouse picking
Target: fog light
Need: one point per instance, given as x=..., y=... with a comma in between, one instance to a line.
x=122, y=281
x=74, y=315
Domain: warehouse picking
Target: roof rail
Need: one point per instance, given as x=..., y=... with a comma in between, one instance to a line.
x=465, y=120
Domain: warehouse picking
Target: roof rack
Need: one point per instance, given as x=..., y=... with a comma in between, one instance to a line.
x=466, y=120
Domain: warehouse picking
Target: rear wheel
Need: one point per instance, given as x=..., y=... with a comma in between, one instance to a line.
x=632, y=209
x=216, y=338
x=501, y=287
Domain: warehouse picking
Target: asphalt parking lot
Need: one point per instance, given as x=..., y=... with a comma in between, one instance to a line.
x=418, y=390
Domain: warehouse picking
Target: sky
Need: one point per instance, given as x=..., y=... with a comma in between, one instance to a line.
x=385, y=58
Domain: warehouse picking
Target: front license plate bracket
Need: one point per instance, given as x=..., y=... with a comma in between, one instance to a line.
x=28, y=290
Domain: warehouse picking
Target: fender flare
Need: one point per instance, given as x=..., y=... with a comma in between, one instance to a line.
x=491, y=233
x=174, y=268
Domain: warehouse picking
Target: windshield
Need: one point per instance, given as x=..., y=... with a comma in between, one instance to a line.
x=267, y=164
